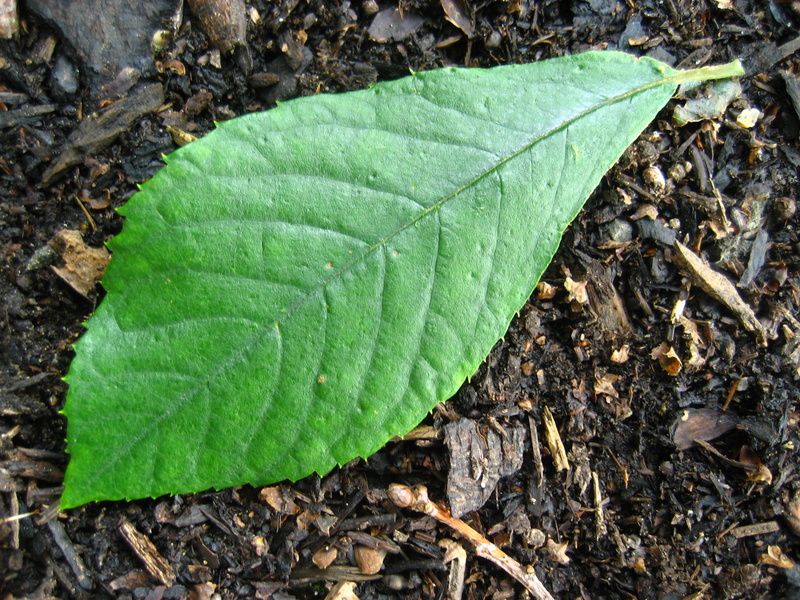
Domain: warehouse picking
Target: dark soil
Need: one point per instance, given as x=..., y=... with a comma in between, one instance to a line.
x=639, y=516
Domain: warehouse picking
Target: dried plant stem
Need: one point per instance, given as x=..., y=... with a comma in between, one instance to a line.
x=416, y=498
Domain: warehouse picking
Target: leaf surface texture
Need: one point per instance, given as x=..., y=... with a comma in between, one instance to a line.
x=302, y=284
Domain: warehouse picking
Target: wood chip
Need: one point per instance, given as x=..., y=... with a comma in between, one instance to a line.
x=456, y=556
x=553, y=439
x=719, y=287
x=757, y=529
x=225, y=21
x=141, y=545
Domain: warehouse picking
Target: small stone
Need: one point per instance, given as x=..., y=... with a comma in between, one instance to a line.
x=749, y=117
x=370, y=7
x=64, y=78
x=395, y=583
x=678, y=171
x=620, y=231
x=654, y=178
x=785, y=208
x=41, y=258
x=535, y=538
x=494, y=39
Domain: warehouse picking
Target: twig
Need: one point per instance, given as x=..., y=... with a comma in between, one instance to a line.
x=70, y=554
x=416, y=498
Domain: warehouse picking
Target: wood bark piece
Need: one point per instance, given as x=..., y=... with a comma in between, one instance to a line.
x=719, y=287
x=478, y=459
x=225, y=21
x=757, y=529
x=97, y=132
x=141, y=545
x=416, y=498
x=12, y=118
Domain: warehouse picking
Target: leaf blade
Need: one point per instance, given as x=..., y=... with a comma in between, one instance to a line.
x=434, y=276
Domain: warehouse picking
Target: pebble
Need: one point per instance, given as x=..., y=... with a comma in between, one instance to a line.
x=620, y=231
x=494, y=39
x=64, y=77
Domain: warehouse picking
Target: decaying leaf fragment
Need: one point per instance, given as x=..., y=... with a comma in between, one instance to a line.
x=776, y=557
x=719, y=287
x=667, y=358
x=703, y=424
x=456, y=13
x=558, y=551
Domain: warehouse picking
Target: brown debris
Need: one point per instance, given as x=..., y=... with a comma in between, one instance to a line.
x=776, y=557
x=576, y=291
x=553, y=440
x=558, y=551
x=83, y=265
x=719, y=287
x=225, y=21
x=141, y=545
x=279, y=499
x=456, y=557
x=667, y=358
x=130, y=581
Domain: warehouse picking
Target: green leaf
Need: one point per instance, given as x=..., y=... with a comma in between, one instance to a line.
x=302, y=284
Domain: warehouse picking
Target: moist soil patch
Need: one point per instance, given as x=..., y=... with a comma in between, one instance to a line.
x=634, y=435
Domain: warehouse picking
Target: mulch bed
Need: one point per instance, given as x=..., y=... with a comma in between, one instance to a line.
x=674, y=412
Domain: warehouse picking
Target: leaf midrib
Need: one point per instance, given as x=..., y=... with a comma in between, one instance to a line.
x=265, y=328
